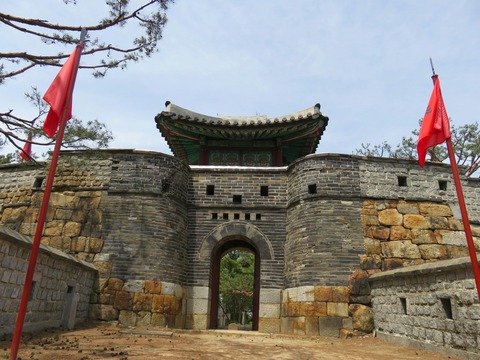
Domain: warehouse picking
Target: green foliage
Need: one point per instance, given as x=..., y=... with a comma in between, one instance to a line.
x=465, y=141
x=6, y=159
x=237, y=284
x=147, y=19
x=382, y=149
x=89, y=134
x=78, y=134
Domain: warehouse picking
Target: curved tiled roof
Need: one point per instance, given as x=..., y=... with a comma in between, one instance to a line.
x=184, y=130
x=177, y=112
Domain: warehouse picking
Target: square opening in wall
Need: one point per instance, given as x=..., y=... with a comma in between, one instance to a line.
x=403, y=303
x=264, y=190
x=32, y=290
x=402, y=180
x=38, y=182
x=447, y=307
x=247, y=216
x=165, y=186
x=236, y=216
x=214, y=216
x=258, y=216
x=312, y=188
x=210, y=189
x=237, y=199
x=442, y=185
x=225, y=216
x=70, y=289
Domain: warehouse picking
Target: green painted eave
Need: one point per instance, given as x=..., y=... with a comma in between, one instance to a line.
x=185, y=131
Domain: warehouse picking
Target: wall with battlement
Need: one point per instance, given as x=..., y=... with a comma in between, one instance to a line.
x=433, y=306
x=324, y=229
x=144, y=217
x=61, y=286
x=237, y=197
x=122, y=210
x=150, y=225
x=397, y=179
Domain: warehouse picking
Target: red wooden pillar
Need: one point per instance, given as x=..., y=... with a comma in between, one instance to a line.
x=278, y=155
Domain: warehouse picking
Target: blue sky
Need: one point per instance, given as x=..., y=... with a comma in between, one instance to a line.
x=366, y=62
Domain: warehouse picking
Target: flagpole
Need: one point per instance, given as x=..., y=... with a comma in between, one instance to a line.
x=461, y=203
x=43, y=212
x=463, y=211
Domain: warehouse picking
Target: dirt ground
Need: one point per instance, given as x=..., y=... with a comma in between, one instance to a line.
x=108, y=341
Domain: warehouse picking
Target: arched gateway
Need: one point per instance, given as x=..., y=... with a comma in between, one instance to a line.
x=237, y=198
x=155, y=226
x=238, y=230
x=252, y=184
x=222, y=239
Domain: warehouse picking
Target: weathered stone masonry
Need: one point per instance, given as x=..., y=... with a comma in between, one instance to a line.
x=61, y=288
x=144, y=255
x=432, y=305
x=150, y=224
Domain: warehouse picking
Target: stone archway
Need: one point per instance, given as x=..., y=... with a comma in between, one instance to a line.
x=236, y=229
x=220, y=240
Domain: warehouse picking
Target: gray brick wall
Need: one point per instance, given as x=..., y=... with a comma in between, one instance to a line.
x=143, y=215
x=324, y=228
x=379, y=179
x=265, y=212
x=145, y=237
x=144, y=172
x=324, y=242
x=54, y=273
x=333, y=175
x=434, y=304
x=230, y=181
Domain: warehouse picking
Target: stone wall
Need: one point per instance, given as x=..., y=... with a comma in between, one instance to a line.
x=61, y=287
x=432, y=305
x=209, y=211
x=396, y=179
x=324, y=229
x=231, y=203
x=315, y=310
x=131, y=242
x=400, y=234
x=144, y=218
x=324, y=241
x=403, y=233
x=141, y=303
x=144, y=231
x=74, y=219
x=150, y=225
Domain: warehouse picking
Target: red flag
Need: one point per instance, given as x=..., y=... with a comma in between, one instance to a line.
x=435, y=127
x=60, y=92
x=26, y=152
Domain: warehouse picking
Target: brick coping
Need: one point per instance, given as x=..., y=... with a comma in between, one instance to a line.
x=422, y=269
x=27, y=242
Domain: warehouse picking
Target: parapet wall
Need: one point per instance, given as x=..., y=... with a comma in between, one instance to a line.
x=144, y=217
x=61, y=287
x=124, y=211
x=218, y=196
x=324, y=229
x=150, y=225
x=396, y=179
x=432, y=306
